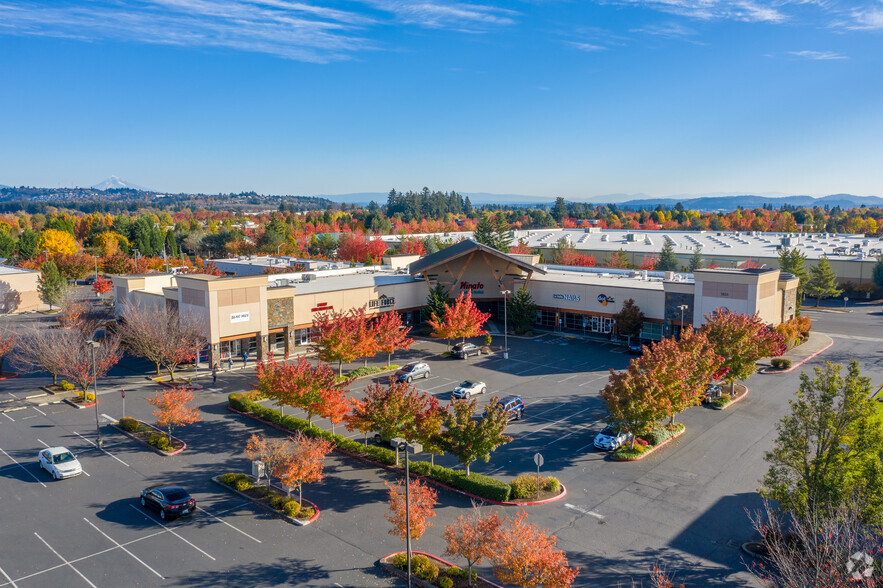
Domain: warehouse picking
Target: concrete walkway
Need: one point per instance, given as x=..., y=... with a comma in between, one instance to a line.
x=799, y=355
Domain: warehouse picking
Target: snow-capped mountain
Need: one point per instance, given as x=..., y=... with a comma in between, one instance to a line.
x=114, y=183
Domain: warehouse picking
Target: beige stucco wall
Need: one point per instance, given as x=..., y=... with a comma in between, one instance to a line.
x=407, y=296
x=229, y=320
x=18, y=292
x=768, y=308
x=650, y=301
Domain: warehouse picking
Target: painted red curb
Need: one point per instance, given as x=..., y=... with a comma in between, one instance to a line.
x=404, y=574
x=8, y=375
x=794, y=367
x=661, y=445
x=148, y=445
x=75, y=405
x=268, y=508
x=744, y=394
x=418, y=476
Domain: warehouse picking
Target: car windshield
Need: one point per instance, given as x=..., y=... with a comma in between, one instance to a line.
x=610, y=431
x=410, y=368
x=467, y=384
x=175, y=495
x=63, y=457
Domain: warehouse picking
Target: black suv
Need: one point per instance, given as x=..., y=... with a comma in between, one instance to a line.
x=464, y=350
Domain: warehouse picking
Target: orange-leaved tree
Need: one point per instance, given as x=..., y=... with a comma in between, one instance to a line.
x=172, y=410
x=271, y=452
x=526, y=555
x=336, y=337
x=390, y=334
x=312, y=388
x=473, y=537
x=741, y=340
x=423, y=499
x=462, y=319
x=7, y=341
x=633, y=401
x=304, y=463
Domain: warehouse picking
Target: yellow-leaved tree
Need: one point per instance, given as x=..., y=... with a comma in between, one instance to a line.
x=55, y=241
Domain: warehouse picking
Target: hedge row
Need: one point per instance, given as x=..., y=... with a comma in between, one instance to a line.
x=483, y=486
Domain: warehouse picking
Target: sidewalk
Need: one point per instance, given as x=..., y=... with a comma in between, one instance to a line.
x=801, y=354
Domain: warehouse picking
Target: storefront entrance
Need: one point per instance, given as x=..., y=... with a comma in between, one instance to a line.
x=234, y=348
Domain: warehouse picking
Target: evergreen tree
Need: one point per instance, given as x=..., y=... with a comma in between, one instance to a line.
x=484, y=232
x=7, y=244
x=793, y=262
x=27, y=244
x=522, y=311
x=878, y=271
x=467, y=207
x=52, y=284
x=823, y=283
x=696, y=259
x=436, y=302
x=171, y=244
x=559, y=209
x=667, y=261
x=630, y=319
x=501, y=233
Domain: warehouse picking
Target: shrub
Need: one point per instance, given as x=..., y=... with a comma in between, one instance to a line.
x=722, y=400
x=424, y=568
x=786, y=363
x=128, y=424
x=776, y=362
x=277, y=501
x=525, y=486
x=228, y=478
x=66, y=386
x=488, y=340
x=400, y=561
x=552, y=485
x=306, y=512
x=242, y=484
x=454, y=572
x=159, y=441
x=85, y=396
x=445, y=582
x=291, y=507
x=626, y=452
x=261, y=491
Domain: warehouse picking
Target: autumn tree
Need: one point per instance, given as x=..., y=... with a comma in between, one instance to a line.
x=336, y=337
x=618, y=260
x=422, y=508
x=390, y=334
x=741, y=340
x=527, y=555
x=55, y=241
x=102, y=286
x=823, y=281
x=473, y=537
x=74, y=266
x=7, y=342
x=631, y=402
x=161, y=335
x=630, y=319
x=172, y=410
x=40, y=349
x=462, y=319
x=304, y=462
x=471, y=439
x=52, y=284
x=76, y=357
x=271, y=452
x=522, y=311
x=312, y=388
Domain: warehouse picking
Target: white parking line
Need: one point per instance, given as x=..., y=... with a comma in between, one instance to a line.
x=533, y=416
x=9, y=417
x=592, y=380
x=13, y=395
x=229, y=525
x=135, y=557
x=40, y=411
x=579, y=429
x=556, y=422
x=69, y=564
x=8, y=579
x=23, y=467
x=569, y=378
x=585, y=511
x=150, y=518
x=101, y=449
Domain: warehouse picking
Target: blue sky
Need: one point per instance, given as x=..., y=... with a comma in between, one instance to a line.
x=573, y=98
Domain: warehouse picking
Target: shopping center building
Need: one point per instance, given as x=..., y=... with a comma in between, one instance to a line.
x=262, y=314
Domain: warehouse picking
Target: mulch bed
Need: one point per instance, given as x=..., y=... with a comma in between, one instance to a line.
x=459, y=582
x=309, y=512
x=256, y=494
x=79, y=402
x=143, y=433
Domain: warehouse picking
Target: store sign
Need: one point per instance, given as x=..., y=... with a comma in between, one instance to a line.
x=604, y=299
x=477, y=287
x=383, y=302
x=322, y=307
x=239, y=317
x=571, y=297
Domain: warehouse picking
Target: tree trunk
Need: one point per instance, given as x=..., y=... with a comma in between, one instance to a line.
x=300, y=493
x=818, y=301
x=732, y=387
x=55, y=379
x=339, y=367
x=170, y=436
x=366, y=439
x=467, y=469
x=157, y=367
x=388, y=359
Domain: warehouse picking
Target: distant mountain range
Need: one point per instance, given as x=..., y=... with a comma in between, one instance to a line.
x=115, y=183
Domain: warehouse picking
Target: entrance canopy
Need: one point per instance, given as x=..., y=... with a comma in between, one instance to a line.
x=469, y=265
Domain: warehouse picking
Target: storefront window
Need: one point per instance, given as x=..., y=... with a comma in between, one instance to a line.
x=651, y=331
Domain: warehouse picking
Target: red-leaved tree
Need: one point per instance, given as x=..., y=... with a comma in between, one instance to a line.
x=172, y=409
x=422, y=508
x=741, y=340
x=7, y=341
x=304, y=463
x=77, y=359
x=102, y=285
x=526, y=555
x=312, y=388
x=390, y=334
x=337, y=337
x=473, y=537
x=462, y=319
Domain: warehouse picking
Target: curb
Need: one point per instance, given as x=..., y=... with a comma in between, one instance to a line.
x=403, y=574
x=148, y=445
x=660, y=446
x=5, y=410
x=78, y=406
x=726, y=406
x=347, y=380
x=750, y=553
x=428, y=480
x=281, y=515
x=8, y=375
x=797, y=365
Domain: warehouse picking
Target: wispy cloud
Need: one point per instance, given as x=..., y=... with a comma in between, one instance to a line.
x=817, y=55
x=669, y=30
x=870, y=17
x=587, y=47
x=305, y=31
x=742, y=10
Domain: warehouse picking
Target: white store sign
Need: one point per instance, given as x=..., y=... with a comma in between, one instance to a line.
x=239, y=317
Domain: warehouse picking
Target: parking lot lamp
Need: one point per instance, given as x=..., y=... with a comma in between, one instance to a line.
x=682, y=308
x=92, y=345
x=505, y=294
x=408, y=448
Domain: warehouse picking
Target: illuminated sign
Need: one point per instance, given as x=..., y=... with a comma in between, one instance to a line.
x=571, y=297
x=604, y=300
x=322, y=307
x=239, y=317
x=383, y=302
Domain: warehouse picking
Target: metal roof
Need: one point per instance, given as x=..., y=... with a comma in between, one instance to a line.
x=463, y=248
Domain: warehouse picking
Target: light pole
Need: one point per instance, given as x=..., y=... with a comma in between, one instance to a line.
x=92, y=345
x=407, y=448
x=95, y=257
x=682, y=308
x=278, y=247
x=505, y=294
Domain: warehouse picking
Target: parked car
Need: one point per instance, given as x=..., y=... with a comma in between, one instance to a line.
x=636, y=347
x=469, y=388
x=412, y=371
x=611, y=438
x=513, y=407
x=60, y=463
x=464, y=350
x=712, y=391
x=168, y=501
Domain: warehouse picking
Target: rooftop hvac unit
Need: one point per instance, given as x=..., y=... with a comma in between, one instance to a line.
x=282, y=282
x=669, y=276
x=309, y=277
x=643, y=274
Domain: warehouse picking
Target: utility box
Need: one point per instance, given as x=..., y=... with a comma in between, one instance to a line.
x=257, y=469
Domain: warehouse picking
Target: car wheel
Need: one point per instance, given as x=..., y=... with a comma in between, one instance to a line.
x=426, y=375
x=410, y=379
x=143, y=502
x=483, y=390
x=162, y=514
x=519, y=415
